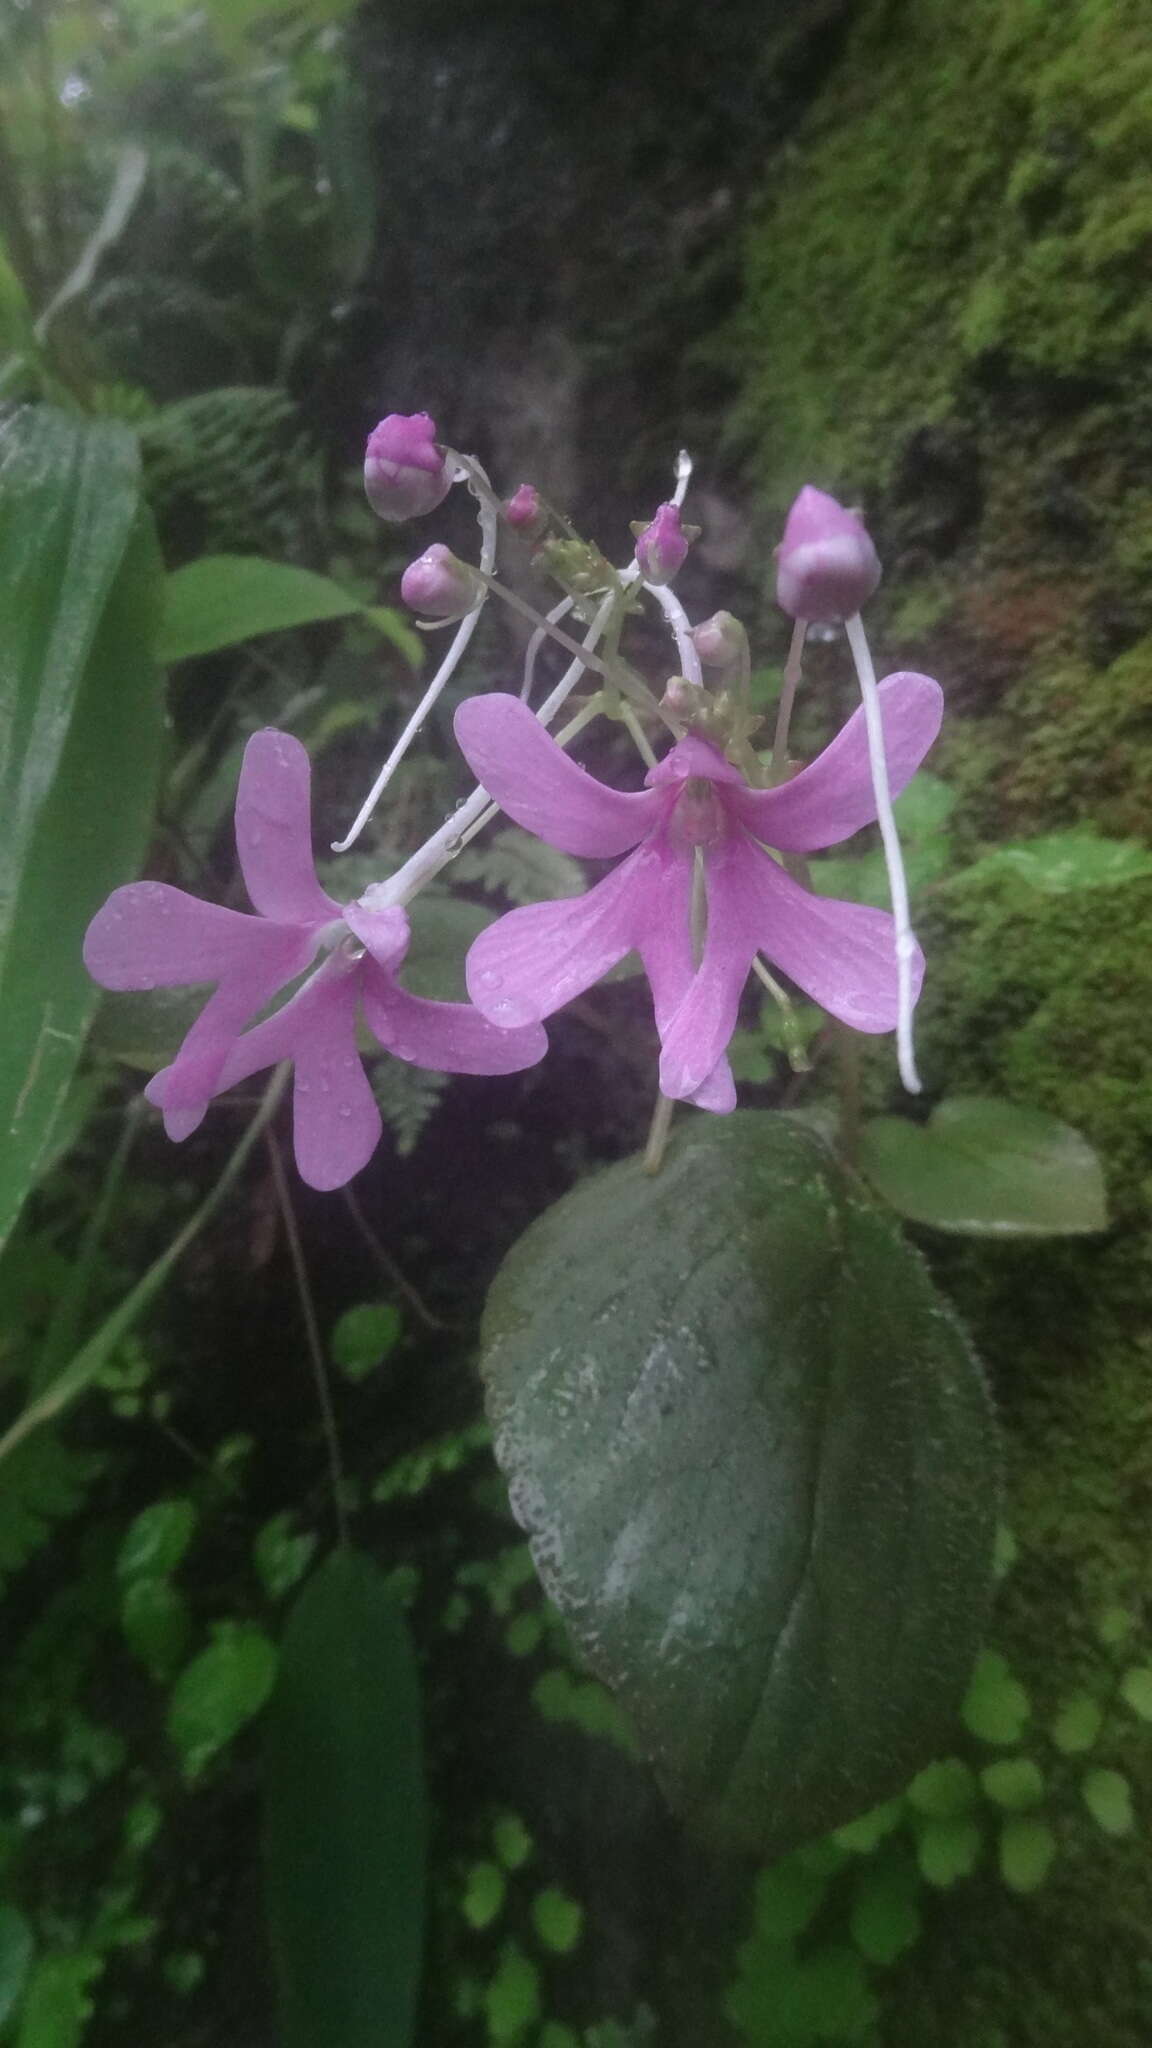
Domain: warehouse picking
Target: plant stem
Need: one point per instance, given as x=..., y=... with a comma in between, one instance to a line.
x=893, y=859
x=312, y=1332
x=658, y=1134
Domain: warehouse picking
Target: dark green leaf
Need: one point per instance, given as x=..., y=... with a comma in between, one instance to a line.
x=1108, y=1797
x=1027, y=1847
x=1136, y=1690
x=223, y=599
x=346, y=1828
x=1014, y=1782
x=80, y=727
x=755, y=1458
x=156, y=1623
x=16, y=1947
x=157, y=1539
x=948, y=1849
x=1077, y=1724
x=987, y=1169
x=219, y=1692
x=996, y=1705
x=363, y=1337
x=885, y=1915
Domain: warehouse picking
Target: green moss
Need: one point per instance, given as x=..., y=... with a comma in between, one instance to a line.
x=972, y=183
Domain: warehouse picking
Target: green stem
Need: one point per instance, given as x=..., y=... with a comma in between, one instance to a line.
x=312, y=1333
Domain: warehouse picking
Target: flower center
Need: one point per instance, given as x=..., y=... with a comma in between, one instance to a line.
x=698, y=812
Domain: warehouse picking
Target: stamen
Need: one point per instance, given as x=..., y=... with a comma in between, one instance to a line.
x=684, y=467
x=698, y=910
x=893, y=859
x=795, y=1049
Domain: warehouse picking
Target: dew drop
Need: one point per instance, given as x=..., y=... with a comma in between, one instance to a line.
x=253, y=836
x=345, y=1109
x=303, y=1087
x=146, y=982
x=349, y=1059
x=490, y=979
x=502, y=1009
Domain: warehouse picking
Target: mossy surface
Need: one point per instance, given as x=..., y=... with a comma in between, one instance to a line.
x=947, y=319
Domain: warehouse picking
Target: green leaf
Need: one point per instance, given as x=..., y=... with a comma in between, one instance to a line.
x=1026, y=1850
x=756, y=1462
x=996, y=1705
x=524, y=869
x=558, y=1920
x=224, y=599
x=57, y=2004
x=987, y=1169
x=16, y=1948
x=41, y=1482
x=861, y=1836
x=786, y=1900
x=944, y=1790
x=443, y=928
x=157, y=1539
x=281, y=1555
x=80, y=728
x=219, y=1692
x=156, y=1623
x=1014, y=1782
x=1061, y=862
x=948, y=1849
x=512, y=2000
x=1078, y=1724
x=363, y=1337
x=346, y=1820
x=1108, y=1797
x=483, y=1894
x=511, y=1841
x=784, y=2001
x=885, y=1918
x=1136, y=1689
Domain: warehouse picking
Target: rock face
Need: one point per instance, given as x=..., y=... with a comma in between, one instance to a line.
x=946, y=318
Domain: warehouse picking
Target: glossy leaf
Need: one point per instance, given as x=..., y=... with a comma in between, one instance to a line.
x=346, y=1820
x=80, y=728
x=756, y=1461
x=987, y=1169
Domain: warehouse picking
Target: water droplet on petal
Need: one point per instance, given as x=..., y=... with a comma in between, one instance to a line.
x=303, y=1087
x=349, y=1059
x=490, y=979
x=345, y=1109
x=146, y=982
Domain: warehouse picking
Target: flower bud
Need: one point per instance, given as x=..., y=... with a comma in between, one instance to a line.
x=525, y=512
x=826, y=565
x=439, y=584
x=662, y=546
x=720, y=640
x=405, y=474
x=686, y=701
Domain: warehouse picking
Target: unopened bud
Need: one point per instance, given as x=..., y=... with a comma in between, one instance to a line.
x=439, y=584
x=525, y=512
x=720, y=641
x=405, y=475
x=662, y=545
x=826, y=565
x=686, y=701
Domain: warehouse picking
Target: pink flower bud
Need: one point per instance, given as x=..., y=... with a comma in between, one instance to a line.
x=405, y=474
x=826, y=565
x=439, y=584
x=662, y=546
x=524, y=510
x=720, y=640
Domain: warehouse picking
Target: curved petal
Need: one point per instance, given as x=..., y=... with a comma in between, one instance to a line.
x=833, y=798
x=149, y=935
x=663, y=908
x=534, y=960
x=533, y=780
x=451, y=1038
x=696, y=1037
x=336, y=1124
x=274, y=831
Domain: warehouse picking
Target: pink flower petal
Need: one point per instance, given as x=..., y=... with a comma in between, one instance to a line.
x=531, y=962
x=384, y=932
x=185, y=1088
x=693, y=756
x=336, y=1123
x=533, y=780
x=840, y=954
x=662, y=910
x=274, y=831
x=149, y=935
x=451, y=1038
x=833, y=798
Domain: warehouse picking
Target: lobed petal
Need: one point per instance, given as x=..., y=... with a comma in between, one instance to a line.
x=184, y=1089
x=535, y=959
x=663, y=911
x=833, y=798
x=536, y=783
x=149, y=935
x=451, y=1038
x=336, y=1124
x=274, y=831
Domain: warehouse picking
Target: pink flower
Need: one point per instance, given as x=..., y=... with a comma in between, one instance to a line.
x=826, y=565
x=841, y=954
x=150, y=935
x=405, y=474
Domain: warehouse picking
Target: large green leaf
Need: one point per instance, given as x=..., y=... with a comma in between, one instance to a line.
x=80, y=728
x=987, y=1169
x=755, y=1458
x=224, y=599
x=346, y=1819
